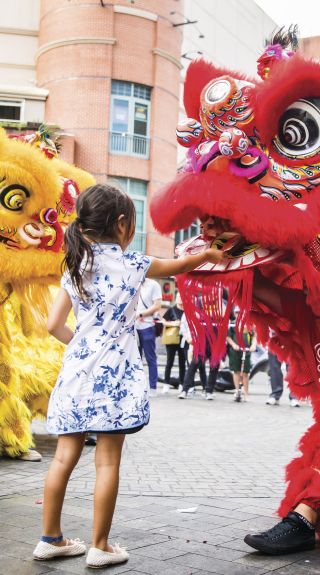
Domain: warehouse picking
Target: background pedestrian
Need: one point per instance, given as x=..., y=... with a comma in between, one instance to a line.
x=240, y=358
x=172, y=340
x=276, y=382
x=149, y=304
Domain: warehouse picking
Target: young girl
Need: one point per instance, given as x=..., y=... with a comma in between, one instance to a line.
x=101, y=387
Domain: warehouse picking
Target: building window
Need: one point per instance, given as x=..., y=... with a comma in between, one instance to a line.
x=191, y=231
x=137, y=190
x=130, y=119
x=11, y=110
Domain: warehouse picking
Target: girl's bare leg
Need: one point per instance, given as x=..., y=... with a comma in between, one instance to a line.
x=67, y=454
x=108, y=457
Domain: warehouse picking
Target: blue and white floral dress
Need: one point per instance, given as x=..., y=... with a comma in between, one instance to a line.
x=102, y=386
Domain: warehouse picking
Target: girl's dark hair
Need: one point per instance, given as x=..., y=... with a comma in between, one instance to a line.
x=98, y=209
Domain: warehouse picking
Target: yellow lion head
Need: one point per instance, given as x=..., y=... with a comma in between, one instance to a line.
x=37, y=201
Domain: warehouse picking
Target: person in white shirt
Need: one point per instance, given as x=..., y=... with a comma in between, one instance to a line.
x=149, y=304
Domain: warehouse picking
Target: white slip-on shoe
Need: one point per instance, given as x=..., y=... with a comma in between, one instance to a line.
x=45, y=551
x=30, y=455
x=97, y=558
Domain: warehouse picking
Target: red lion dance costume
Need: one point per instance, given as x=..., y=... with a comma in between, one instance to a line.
x=252, y=176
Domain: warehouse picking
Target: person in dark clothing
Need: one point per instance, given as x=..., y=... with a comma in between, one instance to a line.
x=172, y=318
x=276, y=382
x=208, y=383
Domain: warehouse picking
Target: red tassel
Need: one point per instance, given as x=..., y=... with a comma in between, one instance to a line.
x=207, y=315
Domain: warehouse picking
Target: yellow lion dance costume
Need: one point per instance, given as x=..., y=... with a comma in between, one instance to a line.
x=37, y=201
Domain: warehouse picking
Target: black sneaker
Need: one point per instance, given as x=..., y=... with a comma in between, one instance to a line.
x=294, y=533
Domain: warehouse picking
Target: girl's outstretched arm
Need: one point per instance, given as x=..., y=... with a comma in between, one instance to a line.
x=58, y=316
x=163, y=268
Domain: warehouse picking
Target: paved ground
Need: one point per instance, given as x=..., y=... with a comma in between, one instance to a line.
x=220, y=460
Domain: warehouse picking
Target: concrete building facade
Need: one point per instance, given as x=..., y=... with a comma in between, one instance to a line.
x=231, y=33
x=21, y=100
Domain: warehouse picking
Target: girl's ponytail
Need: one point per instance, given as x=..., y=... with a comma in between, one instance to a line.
x=77, y=248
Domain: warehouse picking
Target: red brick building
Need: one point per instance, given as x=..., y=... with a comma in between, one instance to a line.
x=112, y=70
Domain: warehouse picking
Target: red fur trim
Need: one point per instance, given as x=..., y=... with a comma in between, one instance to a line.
x=289, y=81
x=198, y=75
x=282, y=274
x=207, y=319
x=301, y=475
x=259, y=219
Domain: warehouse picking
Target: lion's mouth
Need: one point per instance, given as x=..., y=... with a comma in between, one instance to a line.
x=242, y=255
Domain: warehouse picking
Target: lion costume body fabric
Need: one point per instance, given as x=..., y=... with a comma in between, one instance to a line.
x=252, y=175
x=37, y=201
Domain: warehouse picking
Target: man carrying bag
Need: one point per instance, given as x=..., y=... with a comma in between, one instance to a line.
x=149, y=305
x=172, y=339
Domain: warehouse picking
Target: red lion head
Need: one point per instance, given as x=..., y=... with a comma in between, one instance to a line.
x=251, y=176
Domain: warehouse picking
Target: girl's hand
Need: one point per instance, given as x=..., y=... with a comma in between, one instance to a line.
x=253, y=348
x=215, y=256
x=163, y=268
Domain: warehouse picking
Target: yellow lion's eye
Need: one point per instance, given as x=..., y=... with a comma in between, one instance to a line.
x=13, y=197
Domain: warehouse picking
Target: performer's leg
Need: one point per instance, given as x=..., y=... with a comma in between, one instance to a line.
x=296, y=531
x=267, y=292
x=306, y=511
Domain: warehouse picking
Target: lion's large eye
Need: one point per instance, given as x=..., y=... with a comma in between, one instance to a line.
x=299, y=130
x=13, y=197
